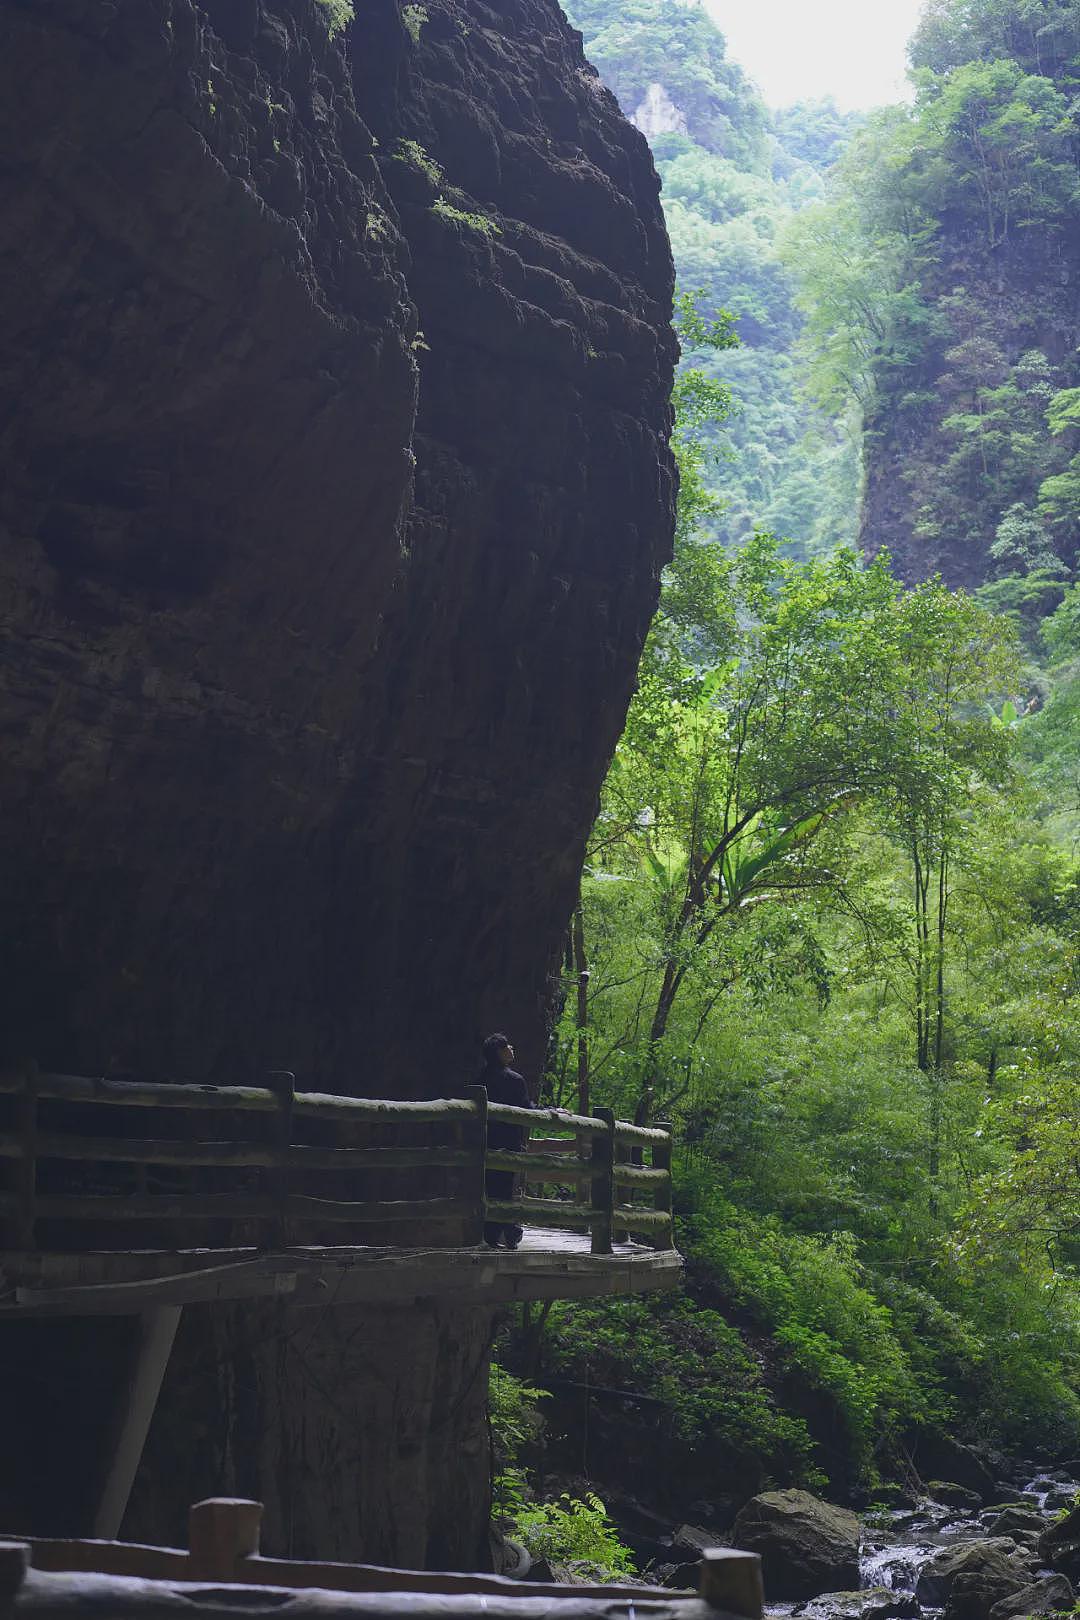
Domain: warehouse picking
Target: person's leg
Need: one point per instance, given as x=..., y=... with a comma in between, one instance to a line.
x=499, y=1186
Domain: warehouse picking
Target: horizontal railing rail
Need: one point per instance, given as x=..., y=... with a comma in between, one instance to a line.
x=224, y=1551
x=88, y=1162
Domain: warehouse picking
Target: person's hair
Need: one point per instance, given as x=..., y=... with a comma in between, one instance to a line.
x=493, y=1046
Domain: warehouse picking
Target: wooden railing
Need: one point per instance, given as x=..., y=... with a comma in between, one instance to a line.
x=223, y=1549
x=100, y=1163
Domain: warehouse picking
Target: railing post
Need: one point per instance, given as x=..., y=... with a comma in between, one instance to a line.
x=731, y=1581
x=478, y=1096
x=661, y=1160
x=221, y=1531
x=283, y=1085
x=14, y=1562
x=27, y=1116
x=603, y=1182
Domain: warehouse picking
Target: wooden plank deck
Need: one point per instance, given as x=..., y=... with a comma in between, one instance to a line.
x=549, y=1264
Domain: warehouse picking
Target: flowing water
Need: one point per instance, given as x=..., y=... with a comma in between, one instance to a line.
x=897, y=1544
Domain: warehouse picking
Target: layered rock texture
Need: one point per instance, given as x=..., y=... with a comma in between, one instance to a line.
x=336, y=491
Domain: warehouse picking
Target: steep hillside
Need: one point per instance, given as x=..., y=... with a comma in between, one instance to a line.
x=944, y=293
x=733, y=176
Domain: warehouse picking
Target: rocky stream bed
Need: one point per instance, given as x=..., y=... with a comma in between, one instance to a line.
x=946, y=1550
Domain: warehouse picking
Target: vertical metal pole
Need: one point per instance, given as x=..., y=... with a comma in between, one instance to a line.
x=478, y=1096
x=157, y=1330
x=661, y=1160
x=603, y=1182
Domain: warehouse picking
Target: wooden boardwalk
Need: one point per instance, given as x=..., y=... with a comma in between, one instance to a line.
x=550, y=1264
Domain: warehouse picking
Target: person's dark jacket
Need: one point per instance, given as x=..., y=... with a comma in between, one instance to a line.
x=506, y=1086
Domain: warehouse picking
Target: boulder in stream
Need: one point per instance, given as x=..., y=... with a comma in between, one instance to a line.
x=985, y=1571
x=689, y=1541
x=950, y=1495
x=1049, y=1595
x=807, y=1546
x=1059, y=1544
x=873, y=1603
x=938, y=1456
x=891, y=1495
x=1017, y=1521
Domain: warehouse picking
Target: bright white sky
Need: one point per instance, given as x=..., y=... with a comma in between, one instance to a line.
x=795, y=50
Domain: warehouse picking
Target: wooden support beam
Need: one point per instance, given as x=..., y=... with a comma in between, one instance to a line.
x=603, y=1183
x=14, y=1562
x=183, y=1155
x=283, y=1085
x=478, y=1099
x=157, y=1330
x=236, y=1207
x=27, y=1119
x=661, y=1158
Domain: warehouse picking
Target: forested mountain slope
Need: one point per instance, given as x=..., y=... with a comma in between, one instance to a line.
x=732, y=176
x=943, y=294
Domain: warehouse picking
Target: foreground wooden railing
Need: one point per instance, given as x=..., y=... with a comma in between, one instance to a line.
x=92, y=1163
x=223, y=1536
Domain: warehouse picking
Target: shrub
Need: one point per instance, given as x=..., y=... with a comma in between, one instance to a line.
x=457, y=216
x=338, y=13
x=694, y=1362
x=575, y=1531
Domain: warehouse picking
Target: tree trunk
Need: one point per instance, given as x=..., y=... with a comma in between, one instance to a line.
x=581, y=968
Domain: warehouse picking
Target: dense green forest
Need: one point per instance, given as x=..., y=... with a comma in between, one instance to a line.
x=733, y=178
x=830, y=912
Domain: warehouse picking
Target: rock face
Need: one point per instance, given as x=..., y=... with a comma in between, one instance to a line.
x=336, y=490
x=807, y=1546
x=957, y=1496
x=302, y=739
x=1059, y=1545
x=1017, y=1521
x=972, y=1576
x=950, y=1462
x=1051, y=1595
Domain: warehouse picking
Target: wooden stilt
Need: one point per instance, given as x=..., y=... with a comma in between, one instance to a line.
x=157, y=1332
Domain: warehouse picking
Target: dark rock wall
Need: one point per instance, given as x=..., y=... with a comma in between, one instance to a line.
x=542, y=508
x=208, y=399
x=297, y=766
x=318, y=631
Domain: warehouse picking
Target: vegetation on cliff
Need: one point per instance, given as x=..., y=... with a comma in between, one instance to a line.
x=940, y=289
